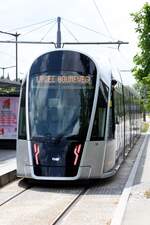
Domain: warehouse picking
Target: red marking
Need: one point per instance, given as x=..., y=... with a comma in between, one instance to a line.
x=1, y=131
x=7, y=119
x=36, y=153
x=6, y=104
x=76, y=152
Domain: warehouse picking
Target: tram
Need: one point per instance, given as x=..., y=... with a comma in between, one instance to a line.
x=76, y=120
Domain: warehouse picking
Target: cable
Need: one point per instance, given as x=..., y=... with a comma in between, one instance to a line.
x=52, y=21
x=48, y=31
x=70, y=32
x=98, y=10
x=123, y=56
x=44, y=21
x=85, y=27
x=36, y=29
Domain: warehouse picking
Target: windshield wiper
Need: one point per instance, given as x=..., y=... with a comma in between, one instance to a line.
x=57, y=139
x=37, y=138
x=72, y=137
x=42, y=137
x=47, y=137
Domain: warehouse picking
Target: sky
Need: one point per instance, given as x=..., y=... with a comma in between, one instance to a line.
x=34, y=20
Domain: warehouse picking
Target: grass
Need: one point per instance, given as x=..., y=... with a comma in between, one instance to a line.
x=147, y=194
x=145, y=127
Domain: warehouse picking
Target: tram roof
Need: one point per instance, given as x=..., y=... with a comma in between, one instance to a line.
x=106, y=66
x=101, y=61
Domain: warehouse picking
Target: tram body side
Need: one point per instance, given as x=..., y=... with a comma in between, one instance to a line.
x=113, y=128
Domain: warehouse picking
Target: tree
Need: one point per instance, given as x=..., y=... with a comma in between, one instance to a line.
x=141, y=70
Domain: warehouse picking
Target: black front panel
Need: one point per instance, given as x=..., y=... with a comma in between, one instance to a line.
x=56, y=159
x=61, y=93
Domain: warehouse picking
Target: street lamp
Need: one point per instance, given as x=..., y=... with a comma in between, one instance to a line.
x=4, y=68
x=16, y=36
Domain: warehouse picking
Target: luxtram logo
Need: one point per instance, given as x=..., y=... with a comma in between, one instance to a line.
x=55, y=159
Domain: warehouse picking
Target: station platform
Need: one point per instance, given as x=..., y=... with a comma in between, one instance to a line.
x=134, y=205
x=138, y=206
x=7, y=166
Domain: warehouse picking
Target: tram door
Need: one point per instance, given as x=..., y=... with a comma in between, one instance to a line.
x=118, y=119
x=115, y=136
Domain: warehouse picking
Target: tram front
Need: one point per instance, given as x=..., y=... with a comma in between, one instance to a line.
x=60, y=99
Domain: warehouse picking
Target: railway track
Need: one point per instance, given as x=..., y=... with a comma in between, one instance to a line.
x=54, y=203
x=95, y=203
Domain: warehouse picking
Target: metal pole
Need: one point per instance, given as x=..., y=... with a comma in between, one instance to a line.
x=4, y=68
x=65, y=43
x=17, y=56
x=3, y=72
x=58, y=45
x=16, y=36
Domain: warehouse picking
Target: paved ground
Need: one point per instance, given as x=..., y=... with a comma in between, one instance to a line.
x=7, y=154
x=138, y=208
x=7, y=166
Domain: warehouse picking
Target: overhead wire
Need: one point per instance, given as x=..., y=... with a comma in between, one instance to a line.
x=107, y=29
x=54, y=20
x=33, y=24
x=37, y=28
x=48, y=31
x=123, y=56
x=85, y=27
x=70, y=32
x=100, y=14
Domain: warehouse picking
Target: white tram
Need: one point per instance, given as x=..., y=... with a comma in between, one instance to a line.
x=76, y=121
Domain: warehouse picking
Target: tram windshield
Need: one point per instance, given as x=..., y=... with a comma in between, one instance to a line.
x=60, y=104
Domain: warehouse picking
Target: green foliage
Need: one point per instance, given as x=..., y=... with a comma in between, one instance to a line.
x=145, y=127
x=141, y=70
x=8, y=90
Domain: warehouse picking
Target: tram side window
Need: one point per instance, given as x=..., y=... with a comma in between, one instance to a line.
x=116, y=114
x=111, y=129
x=98, y=132
x=22, y=115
